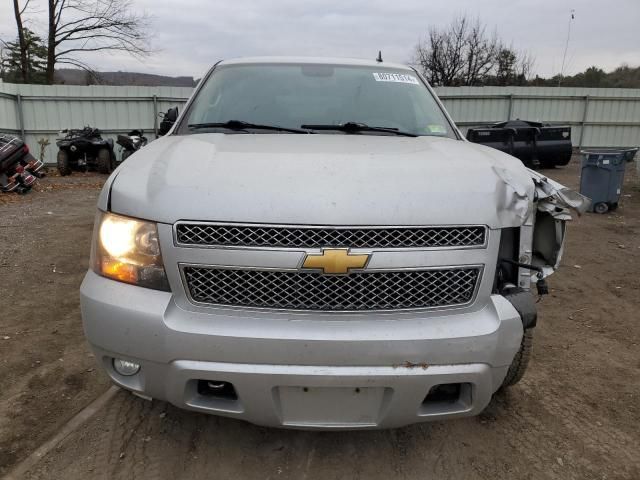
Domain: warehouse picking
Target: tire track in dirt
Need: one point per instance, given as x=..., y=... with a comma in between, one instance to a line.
x=544, y=429
x=122, y=451
x=143, y=440
x=606, y=442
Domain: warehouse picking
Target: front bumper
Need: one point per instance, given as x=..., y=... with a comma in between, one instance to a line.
x=302, y=370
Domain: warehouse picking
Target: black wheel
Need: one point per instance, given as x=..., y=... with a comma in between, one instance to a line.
x=563, y=160
x=63, y=163
x=520, y=361
x=601, y=207
x=104, y=160
x=547, y=164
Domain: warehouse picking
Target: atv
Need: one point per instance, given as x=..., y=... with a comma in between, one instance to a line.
x=84, y=150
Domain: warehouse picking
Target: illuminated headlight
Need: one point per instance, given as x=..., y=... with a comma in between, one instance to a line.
x=127, y=250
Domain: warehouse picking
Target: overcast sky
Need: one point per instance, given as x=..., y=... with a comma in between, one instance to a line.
x=191, y=35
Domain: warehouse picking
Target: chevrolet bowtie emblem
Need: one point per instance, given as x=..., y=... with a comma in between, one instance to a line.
x=335, y=260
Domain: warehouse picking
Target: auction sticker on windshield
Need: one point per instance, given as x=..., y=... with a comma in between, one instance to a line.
x=395, y=77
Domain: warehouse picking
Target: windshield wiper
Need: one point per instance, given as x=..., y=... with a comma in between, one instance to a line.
x=240, y=125
x=354, y=127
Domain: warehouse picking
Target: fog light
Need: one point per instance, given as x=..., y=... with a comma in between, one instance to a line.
x=215, y=388
x=444, y=393
x=125, y=367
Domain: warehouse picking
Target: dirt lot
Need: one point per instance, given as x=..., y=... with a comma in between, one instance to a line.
x=575, y=414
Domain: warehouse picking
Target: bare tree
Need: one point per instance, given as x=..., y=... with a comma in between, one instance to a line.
x=465, y=54
x=513, y=68
x=3, y=55
x=77, y=26
x=18, y=12
x=506, y=68
x=481, y=51
x=526, y=63
x=441, y=56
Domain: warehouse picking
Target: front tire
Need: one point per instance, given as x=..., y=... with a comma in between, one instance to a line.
x=104, y=161
x=63, y=163
x=520, y=361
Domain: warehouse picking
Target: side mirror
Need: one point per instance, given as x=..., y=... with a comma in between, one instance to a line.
x=168, y=119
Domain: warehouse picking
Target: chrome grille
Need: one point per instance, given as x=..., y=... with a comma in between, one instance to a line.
x=380, y=290
x=313, y=237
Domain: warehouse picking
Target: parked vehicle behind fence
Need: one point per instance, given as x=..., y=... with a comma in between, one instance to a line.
x=84, y=150
x=535, y=144
x=168, y=119
x=131, y=143
x=18, y=168
x=314, y=245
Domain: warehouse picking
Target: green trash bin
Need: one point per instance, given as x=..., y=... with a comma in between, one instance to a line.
x=602, y=176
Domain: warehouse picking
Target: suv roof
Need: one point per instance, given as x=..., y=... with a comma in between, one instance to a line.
x=314, y=61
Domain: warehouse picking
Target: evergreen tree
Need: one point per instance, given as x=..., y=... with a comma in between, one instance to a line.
x=10, y=61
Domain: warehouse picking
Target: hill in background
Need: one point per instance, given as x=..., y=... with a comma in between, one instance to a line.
x=622, y=77
x=70, y=76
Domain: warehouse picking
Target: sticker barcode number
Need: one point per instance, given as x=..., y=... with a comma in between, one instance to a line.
x=395, y=77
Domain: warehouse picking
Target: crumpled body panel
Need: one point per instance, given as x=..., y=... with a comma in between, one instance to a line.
x=554, y=203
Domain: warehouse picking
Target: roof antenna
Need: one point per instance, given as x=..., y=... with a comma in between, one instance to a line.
x=379, y=59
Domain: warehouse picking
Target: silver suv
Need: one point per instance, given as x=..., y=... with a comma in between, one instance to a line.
x=315, y=245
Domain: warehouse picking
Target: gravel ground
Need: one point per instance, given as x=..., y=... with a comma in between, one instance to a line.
x=575, y=415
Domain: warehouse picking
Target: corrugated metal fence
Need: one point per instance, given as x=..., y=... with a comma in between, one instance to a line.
x=38, y=112
x=599, y=117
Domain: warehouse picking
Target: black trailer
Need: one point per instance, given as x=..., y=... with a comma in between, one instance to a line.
x=536, y=144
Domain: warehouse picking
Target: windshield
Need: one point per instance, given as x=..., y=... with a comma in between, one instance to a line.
x=297, y=95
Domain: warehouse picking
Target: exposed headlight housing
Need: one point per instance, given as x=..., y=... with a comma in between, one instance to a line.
x=127, y=250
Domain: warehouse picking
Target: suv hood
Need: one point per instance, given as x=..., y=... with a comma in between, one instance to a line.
x=321, y=180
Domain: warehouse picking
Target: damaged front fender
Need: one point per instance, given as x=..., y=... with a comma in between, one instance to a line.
x=554, y=206
x=556, y=199
x=513, y=196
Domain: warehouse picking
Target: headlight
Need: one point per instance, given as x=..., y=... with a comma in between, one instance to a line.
x=127, y=250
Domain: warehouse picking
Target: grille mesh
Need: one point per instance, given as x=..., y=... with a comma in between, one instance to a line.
x=314, y=291
x=313, y=237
